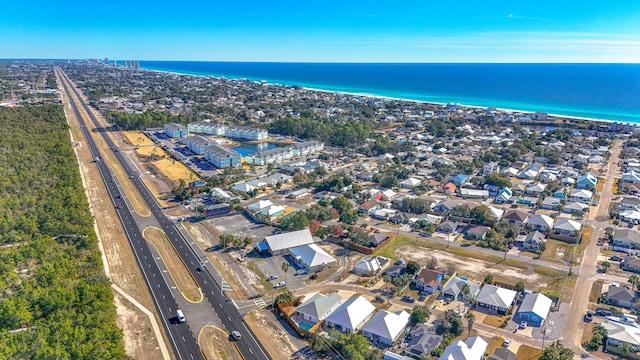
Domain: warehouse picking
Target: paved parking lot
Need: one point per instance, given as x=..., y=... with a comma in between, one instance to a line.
x=272, y=265
x=239, y=225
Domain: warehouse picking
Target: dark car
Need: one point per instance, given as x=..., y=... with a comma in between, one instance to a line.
x=422, y=297
x=615, y=258
x=603, y=312
x=408, y=299
x=588, y=317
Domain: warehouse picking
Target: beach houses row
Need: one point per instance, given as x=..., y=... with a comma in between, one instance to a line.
x=235, y=132
x=278, y=155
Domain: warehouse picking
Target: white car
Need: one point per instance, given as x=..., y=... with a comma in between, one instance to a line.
x=280, y=284
x=506, y=342
x=272, y=277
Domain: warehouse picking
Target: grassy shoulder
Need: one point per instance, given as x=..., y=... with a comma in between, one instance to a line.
x=177, y=268
x=215, y=344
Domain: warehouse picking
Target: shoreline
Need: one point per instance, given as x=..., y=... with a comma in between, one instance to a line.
x=384, y=97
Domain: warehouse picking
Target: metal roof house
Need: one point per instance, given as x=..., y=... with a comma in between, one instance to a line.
x=280, y=243
x=351, y=315
x=386, y=327
x=318, y=306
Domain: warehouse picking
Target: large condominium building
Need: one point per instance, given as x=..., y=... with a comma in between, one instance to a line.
x=246, y=133
x=197, y=144
x=222, y=157
x=269, y=156
x=306, y=148
x=207, y=127
x=174, y=130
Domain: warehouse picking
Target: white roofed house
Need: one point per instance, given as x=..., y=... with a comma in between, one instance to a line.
x=471, y=349
x=540, y=222
x=534, y=309
x=313, y=257
x=581, y=195
x=409, y=183
x=625, y=238
x=386, y=327
x=351, y=315
x=567, y=227
x=370, y=266
x=631, y=177
x=619, y=333
x=550, y=203
x=575, y=208
x=318, y=306
x=259, y=205
x=493, y=298
x=630, y=216
x=197, y=144
x=535, y=189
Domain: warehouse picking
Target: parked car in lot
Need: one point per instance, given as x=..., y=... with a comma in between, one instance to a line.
x=408, y=299
x=379, y=298
x=616, y=258
x=272, y=277
x=422, y=297
x=279, y=285
x=523, y=324
x=301, y=271
x=588, y=316
x=603, y=312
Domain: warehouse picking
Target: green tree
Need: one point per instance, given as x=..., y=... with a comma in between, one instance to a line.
x=633, y=281
x=557, y=351
x=420, y=314
x=482, y=215
x=624, y=349
x=488, y=279
x=605, y=266
x=466, y=291
x=285, y=269
x=542, y=247
x=498, y=180
x=413, y=267
x=294, y=222
x=471, y=317
x=519, y=286
x=349, y=217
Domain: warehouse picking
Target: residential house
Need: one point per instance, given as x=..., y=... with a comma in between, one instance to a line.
x=386, y=327
x=535, y=189
x=496, y=212
x=376, y=238
x=531, y=241
x=174, y=130
x=409, y=183
x=476, y=232
x=448, y=227
x=318, y=306
x=447, y=205
x=383, y=214
x=587, y=181
x=630, y=216
x=422, y=341
x=428, y=280
x=496, y=299
x=401, y=218
x=575, y=208
x=622, y=296
x=531, y=172
x=449, y=188
x=631, y=263
x=473, y=194
x=540, y=222
x=471, y=349
x=397, y=269
x=547, y=177
x=629, y=203
x=503, y=353
x=351, y=315
x=513, y=216
x=388, y=195
x=567, y=227
x=459, y=179
x=370, y=266
x=492, y=167
x=312, y=257
x=453, y=289
x=631, y=177
x=368, y=207
x=534, y=309
x=625, y=238
x=504, y=196
x=581, y=195
x=622, y=332
x=550, y=203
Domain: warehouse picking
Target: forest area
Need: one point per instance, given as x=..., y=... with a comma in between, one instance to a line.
x=55, y=301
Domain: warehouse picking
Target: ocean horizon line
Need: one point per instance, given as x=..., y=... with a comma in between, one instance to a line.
x=557, y=110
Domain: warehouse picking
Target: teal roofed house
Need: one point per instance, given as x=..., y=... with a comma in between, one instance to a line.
x=504, y=196
x=586, y=181
x=459, y=179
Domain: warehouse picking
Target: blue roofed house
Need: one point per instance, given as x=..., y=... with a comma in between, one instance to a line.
x=534, y=309
x=586, y=181
x=459, y=179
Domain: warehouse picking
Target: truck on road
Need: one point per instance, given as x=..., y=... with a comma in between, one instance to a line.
x=180, y=316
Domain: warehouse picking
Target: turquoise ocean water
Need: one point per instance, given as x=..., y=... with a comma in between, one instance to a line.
x=599, y=91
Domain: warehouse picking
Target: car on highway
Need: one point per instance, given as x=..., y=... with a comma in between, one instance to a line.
x=279, y=285
x=235, y=335
x=272, y=277
x=118, y=207
x=201, y=267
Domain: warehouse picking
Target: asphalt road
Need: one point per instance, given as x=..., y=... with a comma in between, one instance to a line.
x=182, y=338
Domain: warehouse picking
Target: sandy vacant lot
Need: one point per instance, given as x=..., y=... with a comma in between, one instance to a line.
x=272, y=336
x=215, y=344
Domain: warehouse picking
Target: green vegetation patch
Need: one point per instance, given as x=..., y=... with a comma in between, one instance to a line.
x=52, y=286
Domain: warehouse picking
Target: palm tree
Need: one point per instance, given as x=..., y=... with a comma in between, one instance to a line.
x=470, y=318
x=285, y=268
x=466, y=291
x=605, y=266
x=599, y=329
x=624, y=349
x=633, y=280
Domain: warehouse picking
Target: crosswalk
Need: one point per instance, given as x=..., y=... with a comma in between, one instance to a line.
x=225, y=287
x=260, y=303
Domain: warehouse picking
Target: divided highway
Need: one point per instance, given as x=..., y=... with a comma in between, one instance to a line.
x=182, y=338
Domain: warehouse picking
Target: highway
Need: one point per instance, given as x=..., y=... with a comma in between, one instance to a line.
x=181, y=337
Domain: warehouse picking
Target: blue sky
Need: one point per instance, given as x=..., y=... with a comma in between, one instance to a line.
x=324, y=31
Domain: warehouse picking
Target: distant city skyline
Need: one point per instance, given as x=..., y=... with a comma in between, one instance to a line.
x=331, y=31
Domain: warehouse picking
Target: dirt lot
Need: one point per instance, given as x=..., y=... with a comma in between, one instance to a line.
x=475, y=269
x=124, y=271
x=137, y=138
x=177, y=269
x=141, y=341
x=274, y=338
x=215, y=344
x=171, y=168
